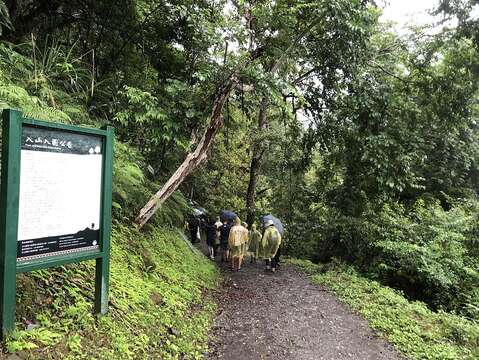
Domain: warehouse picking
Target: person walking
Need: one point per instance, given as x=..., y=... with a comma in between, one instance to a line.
x=194, y=227
x=245, y=249
x=224, y=235
x=237, y=238
x=211, y=237
x=254, y=242
x=216, y=245
x=271, y=242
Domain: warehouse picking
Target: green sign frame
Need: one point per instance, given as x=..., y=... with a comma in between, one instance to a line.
x=13, y=123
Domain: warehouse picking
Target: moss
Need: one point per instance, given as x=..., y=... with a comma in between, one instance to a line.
x=160, y=311
x=158, y=304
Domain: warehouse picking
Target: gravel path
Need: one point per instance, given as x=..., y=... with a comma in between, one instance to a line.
x=283, y=316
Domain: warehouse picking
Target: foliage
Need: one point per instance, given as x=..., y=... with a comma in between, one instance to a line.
x=144, y=124
x=35, y=91
x=222, y=183
x=411, y=326
x=4, y=17
x=370, y=148
x=428, y=254
x=391, y=186
x=158, y=306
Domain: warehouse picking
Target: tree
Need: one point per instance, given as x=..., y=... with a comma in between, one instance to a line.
x=325, y=41
x=284, y=40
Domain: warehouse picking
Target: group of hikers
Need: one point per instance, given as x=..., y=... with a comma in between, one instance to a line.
x=235, y=242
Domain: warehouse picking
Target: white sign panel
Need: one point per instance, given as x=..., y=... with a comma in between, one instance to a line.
x=60, y=192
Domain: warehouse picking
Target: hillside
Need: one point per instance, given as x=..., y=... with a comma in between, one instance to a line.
x=159, y=303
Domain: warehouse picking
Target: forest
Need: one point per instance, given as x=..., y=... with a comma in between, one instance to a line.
x=364, y=142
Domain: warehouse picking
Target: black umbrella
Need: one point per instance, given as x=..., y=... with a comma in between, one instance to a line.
x=277, y=223
x=227, y=215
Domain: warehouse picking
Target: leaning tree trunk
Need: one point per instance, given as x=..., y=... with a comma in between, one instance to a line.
x=200, y=155
x=193, y=160
x=256, y=160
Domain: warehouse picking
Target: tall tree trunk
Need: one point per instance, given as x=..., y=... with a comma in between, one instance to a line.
x=256, y=160
x=193, y=160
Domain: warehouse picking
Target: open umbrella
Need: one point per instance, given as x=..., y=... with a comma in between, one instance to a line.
x=197, y=212
x=277, y=223
x=227, y=215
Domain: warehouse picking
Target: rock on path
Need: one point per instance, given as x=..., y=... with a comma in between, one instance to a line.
x=284, y=316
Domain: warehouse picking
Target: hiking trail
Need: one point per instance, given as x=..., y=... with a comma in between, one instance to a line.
x=283, y=316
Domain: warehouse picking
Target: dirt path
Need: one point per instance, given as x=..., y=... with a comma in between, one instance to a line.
x=283, y=316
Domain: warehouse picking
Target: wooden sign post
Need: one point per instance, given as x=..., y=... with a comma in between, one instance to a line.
x=55, y=203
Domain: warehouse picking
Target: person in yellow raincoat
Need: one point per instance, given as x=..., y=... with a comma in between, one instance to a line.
x=246, y=244
x=271, y=242
x=237, y=238
x=254, y=243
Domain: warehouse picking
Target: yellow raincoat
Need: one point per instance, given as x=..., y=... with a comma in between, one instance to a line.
x=237, y=238
x=254, y=241
x=270, y=242
x=244, y=251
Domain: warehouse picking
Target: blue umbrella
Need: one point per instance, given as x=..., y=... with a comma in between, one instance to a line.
x=227, y=215
x=277, y=223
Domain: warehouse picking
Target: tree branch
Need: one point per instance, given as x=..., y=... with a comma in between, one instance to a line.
x=200, y=155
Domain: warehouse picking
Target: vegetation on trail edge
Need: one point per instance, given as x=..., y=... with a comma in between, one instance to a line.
x=159, y=307
x=414, y=329
x=159, y=303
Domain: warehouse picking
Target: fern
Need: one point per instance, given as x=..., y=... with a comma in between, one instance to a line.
x=129, y=186
x=12, y=96
x=37, y=93
x=4, y=17
x=172, y=212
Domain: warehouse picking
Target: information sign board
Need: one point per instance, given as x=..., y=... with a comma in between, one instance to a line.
x=55, y=203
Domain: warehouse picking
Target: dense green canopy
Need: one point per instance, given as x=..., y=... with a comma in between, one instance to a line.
x=363, y=142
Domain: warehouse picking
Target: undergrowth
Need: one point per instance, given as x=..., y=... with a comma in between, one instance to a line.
x=410, y=326
x=158, y=304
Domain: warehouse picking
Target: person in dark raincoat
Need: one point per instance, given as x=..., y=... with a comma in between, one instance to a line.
x=193, y=227
x=211, y=237
x=224, y=235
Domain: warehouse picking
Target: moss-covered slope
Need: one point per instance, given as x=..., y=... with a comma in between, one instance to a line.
x=159, y=304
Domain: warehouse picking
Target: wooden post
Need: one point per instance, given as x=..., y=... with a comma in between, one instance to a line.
x=102, y=273
x=9, y=201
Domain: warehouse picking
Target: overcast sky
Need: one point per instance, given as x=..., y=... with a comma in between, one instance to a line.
x=407, y=12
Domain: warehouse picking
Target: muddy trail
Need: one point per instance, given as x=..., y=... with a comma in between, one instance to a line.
x=283, y=316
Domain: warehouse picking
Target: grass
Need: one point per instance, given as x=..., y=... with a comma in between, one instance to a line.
x=159, y=304
x=414, y=329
